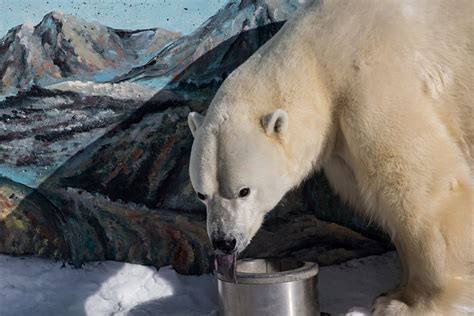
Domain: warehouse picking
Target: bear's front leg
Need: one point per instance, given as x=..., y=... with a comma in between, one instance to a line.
x=435, y=256
x=423, y=252
x=435, y=249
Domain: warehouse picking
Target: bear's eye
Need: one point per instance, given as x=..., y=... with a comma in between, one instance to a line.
x=244, y=192
x=201, y=196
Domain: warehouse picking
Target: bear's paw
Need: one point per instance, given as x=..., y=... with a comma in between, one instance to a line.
x=389, y=304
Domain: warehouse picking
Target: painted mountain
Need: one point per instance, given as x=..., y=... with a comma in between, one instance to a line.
x=117, y=184
x=63, y=47
x=236, y=29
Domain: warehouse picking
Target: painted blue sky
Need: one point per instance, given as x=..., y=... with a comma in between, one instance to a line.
x=175, y=15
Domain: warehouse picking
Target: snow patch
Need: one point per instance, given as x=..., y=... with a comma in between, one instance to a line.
x=33, y=286
x=120, y=91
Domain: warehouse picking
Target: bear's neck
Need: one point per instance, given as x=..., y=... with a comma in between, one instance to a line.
x=308, y=97
x=286, y=74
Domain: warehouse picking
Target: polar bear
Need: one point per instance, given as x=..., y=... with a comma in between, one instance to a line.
x=379, y=94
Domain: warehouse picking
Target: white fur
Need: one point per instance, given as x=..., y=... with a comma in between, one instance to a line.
x=380, y=95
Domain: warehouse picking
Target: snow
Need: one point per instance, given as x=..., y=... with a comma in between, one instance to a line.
x=33, y=286
x=350, y=288
x=120, y=91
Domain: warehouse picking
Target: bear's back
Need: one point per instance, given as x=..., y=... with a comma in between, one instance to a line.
x=422, y=49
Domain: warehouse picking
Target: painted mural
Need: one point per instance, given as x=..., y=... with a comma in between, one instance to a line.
x=94, y=143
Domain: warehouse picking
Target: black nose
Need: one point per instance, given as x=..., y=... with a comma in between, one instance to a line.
x=227, y=246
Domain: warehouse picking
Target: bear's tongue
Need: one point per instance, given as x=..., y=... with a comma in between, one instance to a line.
x=226, y=266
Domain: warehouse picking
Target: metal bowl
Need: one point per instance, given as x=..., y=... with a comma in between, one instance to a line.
x=276, y=287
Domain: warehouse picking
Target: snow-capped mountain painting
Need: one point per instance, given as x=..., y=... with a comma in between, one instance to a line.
x=223, y=30
x=94, y=143
x=64, y=46
x=88, y=63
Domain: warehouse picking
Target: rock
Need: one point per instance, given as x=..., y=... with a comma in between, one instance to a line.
x=127, y=197
x=29, y=223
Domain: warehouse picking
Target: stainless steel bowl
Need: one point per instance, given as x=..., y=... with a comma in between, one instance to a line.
x=276, y=287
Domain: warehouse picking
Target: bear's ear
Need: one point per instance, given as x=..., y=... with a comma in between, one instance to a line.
x=275, y=123
x=194, y=121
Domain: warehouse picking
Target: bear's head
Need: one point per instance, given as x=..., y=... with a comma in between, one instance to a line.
x=258, y=140
x=239, y=170
x=239, y=174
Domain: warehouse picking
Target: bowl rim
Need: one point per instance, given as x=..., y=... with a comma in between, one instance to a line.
x=306, y=271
